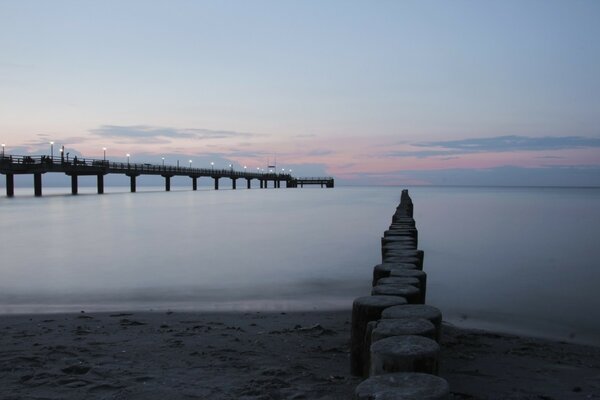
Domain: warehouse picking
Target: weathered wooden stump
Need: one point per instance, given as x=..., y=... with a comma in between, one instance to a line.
x=400, y=280
x=411, y=293
x=384, y=328
x=364, y=310
x=417, y=311
x=377, y=330
x=404, y=354
x=391, y=259
x=420, y=275
x=403, y=386
x=384, y=270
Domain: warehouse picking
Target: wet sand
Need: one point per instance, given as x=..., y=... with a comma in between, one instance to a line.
x=299, y=355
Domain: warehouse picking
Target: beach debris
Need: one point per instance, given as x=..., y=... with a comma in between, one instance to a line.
x=129, y=322
x=77, y=369
x=316, y=329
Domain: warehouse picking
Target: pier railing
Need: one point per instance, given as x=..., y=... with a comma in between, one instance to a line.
x=18, y=163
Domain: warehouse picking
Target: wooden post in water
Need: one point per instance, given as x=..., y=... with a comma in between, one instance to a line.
x=10, y=185
x=132, y=183
x=74, y=185
x=216, y=183
x=100, y=183
x=37, y=184
x=167, y=183
x=248, y=181
x=233, y=183
x=194, y=183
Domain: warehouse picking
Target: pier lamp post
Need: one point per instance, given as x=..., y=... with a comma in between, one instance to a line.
x=104, y=150
x=244, y=166
x=52, y=150
x=3, y=146
x=163, y=161
x=128, y=155
x=230, y=167
x=212, y=165
x=190, y=163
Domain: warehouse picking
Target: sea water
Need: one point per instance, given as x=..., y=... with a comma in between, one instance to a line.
x=521, y=260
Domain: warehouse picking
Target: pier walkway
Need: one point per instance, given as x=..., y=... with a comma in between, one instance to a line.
x=11, y=165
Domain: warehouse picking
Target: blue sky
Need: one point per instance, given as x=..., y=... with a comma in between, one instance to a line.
x=399, y=90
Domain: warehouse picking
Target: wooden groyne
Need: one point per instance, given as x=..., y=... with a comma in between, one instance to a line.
x=11, y=165
x=395, y=335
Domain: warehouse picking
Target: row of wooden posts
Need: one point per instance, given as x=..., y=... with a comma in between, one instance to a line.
x=395, y=335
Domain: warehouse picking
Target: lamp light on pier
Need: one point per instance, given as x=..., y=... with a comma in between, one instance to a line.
x=231, y=167
x=52, y=150
x=190, y=163
x=3, y=146
x=212, y=165
x=245, y=168
x=104, y=150
x=163, y=161
x=128, y=155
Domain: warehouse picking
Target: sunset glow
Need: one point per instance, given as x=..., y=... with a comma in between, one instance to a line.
x=297, y=82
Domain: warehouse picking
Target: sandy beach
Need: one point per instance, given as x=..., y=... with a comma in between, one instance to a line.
x=254, y=355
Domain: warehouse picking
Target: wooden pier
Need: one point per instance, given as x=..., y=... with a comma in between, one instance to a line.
x=11, y=165
x=323, y=181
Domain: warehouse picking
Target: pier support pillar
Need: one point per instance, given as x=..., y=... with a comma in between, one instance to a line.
x=194, y=183
x=10, y=185
x=248, y=182
x=216, y=183
x=37, y=184
x=233, y=183
x=167, y=183
x=100, y=184
x=132, y=183
x=74, y=184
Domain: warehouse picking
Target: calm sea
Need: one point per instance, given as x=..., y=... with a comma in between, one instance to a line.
x=523, y=260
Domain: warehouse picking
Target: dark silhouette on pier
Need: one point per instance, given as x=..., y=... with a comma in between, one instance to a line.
x=11, y=165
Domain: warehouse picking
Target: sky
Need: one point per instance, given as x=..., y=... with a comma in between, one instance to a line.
x=370, y=92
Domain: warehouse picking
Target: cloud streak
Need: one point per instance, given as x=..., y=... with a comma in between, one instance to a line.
x=154, y=134
x=499, y=144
